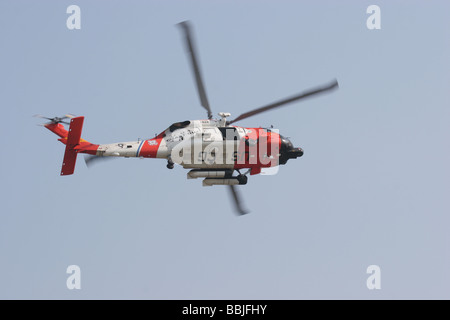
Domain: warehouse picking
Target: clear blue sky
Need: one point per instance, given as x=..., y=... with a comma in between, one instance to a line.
x=372, y=188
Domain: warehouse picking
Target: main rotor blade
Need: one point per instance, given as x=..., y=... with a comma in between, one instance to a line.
x=190, y=48
x=334, y=84
x=237, y=201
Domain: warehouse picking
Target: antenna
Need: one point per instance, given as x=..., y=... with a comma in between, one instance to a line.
x=223, y=120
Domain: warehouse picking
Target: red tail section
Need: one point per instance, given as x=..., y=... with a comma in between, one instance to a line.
x=74, y=143
x=73, y=140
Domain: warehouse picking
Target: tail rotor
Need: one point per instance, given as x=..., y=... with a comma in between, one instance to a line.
x=56, y=120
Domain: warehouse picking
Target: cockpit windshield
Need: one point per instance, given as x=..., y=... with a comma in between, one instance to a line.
x=286, y=144
x=179, y=125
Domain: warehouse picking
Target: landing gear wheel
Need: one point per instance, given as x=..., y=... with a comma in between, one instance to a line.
x=170, y=164
x=242, y=179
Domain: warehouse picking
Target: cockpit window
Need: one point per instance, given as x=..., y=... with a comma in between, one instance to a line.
x=179, y=125
x=286, y=143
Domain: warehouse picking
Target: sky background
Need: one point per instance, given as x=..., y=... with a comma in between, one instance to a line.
x=372, y=188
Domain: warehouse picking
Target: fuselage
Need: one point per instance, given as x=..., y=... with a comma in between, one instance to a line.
x=209, y=144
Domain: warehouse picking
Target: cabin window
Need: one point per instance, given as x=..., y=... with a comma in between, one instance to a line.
x=229, y=133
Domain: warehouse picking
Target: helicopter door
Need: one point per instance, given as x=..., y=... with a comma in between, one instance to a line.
x=212, y=149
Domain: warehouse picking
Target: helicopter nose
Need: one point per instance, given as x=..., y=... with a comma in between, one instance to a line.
x=296, y=152
x=288, y=151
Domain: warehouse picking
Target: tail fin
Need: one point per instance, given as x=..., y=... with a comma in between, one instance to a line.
x=73, y=140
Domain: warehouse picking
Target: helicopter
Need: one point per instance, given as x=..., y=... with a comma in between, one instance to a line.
x=214, y=150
